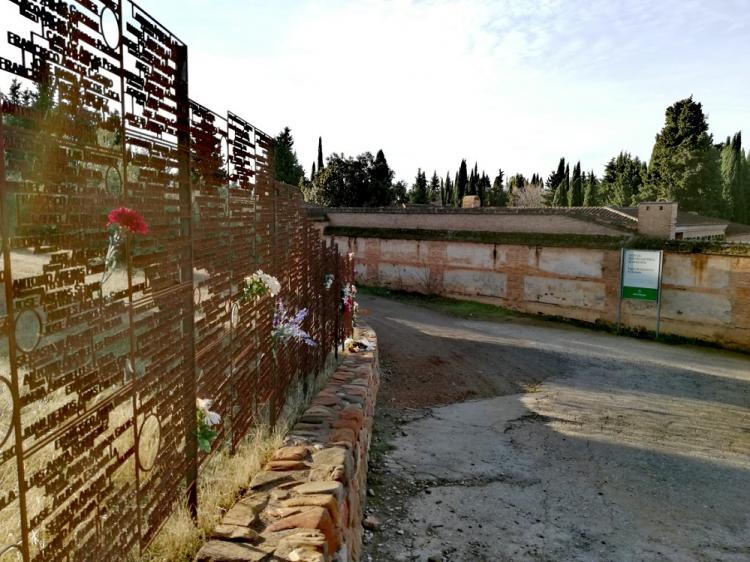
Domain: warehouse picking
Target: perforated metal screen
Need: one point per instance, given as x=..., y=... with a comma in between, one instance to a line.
x=99, y=370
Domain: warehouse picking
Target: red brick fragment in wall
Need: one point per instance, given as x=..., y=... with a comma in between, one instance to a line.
x=342, y=436
x=313, y=518
x=354, y=425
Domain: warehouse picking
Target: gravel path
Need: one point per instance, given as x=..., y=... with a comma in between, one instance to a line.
x=531, y=440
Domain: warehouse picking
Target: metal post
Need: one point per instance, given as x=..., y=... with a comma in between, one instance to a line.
x=619, y=287
x=186, y=233
x=658, y=302
x=275, y=260
x=129, y=267
x=337, y=285
x=12, y=353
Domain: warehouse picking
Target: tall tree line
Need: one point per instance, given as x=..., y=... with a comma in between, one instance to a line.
x=360, y=181
x=686, y=166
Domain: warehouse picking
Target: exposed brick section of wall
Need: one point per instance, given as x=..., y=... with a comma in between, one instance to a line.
x=307, y=504
x=705, y=296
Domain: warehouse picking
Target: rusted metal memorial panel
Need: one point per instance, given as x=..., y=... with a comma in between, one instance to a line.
x=100, y=358
x=105, y=343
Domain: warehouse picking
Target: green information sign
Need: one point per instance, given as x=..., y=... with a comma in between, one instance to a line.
x=641, y=275
x=639, y=293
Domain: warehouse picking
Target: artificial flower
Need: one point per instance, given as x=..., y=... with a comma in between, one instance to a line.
x=287, y=328
x=128, y=219
x=259, y=284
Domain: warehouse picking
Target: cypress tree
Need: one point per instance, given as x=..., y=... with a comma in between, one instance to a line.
x=288, y=168
x=553, y=181
x=517, y=182
x=590, y=192
x=497, y=196
x=449, y=196
x=312, y=172
x=685, y=165
x=483, y=189
x=419, y=193
x=561, y=193
x=462, y=182
x=473, y=181
x=575, y=193
x=321, y=166
x=743, y=187
x=622, y=182
x=433, y=190
x=381, y=182
x=732, y=172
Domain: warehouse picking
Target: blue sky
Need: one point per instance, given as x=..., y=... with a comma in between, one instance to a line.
x=512, y=84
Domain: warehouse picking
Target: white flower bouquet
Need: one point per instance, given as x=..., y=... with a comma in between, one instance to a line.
x=206, y=421
x=260, y=284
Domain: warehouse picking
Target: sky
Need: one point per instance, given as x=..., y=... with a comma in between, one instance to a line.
x=511, y=84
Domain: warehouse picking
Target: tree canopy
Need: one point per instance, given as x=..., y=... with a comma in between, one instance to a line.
x=361, y=181
x=419, y=193
x=288, y=168
x=622, y=181
x=684, y=164
x=735, y=177
x=575, y=194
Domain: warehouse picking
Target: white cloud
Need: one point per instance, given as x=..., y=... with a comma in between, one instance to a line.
x=508, y=83
x=511, y=84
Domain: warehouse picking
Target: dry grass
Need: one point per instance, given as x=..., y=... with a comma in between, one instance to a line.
x=221, y=482
x=222, y=479
x=225, y=477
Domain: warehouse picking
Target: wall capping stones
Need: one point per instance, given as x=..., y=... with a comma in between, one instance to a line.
x=307, y=504
x=547, y=239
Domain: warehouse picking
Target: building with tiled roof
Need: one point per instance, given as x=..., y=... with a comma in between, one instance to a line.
x=689, y=225
x=657, y=219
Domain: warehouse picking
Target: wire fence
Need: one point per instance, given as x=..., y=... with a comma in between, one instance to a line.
x=103, y=354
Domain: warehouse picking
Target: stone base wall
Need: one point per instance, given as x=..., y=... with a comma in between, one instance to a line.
x=308, y=503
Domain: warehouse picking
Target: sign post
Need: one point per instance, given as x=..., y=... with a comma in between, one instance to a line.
x=640, y=278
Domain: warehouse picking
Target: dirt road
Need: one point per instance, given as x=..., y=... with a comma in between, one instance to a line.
x=531, y=440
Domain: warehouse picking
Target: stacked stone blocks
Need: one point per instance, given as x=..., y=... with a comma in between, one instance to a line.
x=307, y=504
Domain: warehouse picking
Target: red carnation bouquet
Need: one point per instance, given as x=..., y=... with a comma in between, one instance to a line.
x=128, y=219
x=121, y=222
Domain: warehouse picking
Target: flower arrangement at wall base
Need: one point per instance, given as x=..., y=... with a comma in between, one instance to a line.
x=206, y=420
x=121, y=222
x=260, y=284
x=349, y=298
x=289, y=328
